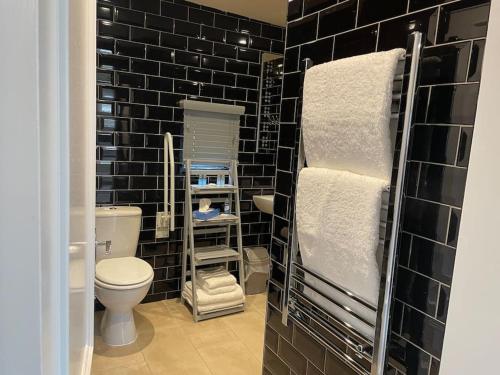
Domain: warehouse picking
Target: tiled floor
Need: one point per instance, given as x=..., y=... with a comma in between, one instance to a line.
x=170, y=343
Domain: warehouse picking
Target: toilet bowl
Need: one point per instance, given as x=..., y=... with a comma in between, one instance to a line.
x=120, y=284
x=121, y=279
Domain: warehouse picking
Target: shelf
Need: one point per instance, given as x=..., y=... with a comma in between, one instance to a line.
x=222, y=219
x=213, y=189
x=214, y=254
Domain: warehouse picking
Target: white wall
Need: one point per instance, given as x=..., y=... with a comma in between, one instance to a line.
x=472, y=338
x=20, y=248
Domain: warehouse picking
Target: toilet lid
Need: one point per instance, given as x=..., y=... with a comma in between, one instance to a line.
x=123, y=271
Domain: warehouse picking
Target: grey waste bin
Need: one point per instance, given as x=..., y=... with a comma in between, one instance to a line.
x=256, y=260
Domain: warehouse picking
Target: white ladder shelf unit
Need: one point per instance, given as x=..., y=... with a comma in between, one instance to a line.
x=211, y=255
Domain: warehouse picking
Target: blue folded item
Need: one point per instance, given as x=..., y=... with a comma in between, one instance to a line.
x=210, y=214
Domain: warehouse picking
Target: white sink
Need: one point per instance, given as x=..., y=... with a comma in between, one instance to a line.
x=264, y=203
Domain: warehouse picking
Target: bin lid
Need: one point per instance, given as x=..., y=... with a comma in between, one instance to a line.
x=255, y=254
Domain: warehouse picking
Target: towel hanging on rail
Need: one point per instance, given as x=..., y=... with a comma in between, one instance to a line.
x=346, y=113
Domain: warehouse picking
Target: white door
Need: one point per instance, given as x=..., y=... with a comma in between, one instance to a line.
x=82, y=183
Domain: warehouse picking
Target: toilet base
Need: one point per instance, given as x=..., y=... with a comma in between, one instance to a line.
x=118, y=327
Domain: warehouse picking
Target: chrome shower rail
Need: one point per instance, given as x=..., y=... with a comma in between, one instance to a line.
x=364, y=354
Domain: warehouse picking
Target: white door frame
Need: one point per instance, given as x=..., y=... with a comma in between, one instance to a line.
x=35, y=77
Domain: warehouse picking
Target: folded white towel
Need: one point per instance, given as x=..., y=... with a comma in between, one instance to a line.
x=213, y=278
x=235, y=297
x=346, y=113
x=338, y=217
x=212, y=307
x=220, y=290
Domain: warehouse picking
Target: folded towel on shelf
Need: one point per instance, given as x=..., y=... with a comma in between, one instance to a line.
x=338, y=222
x=214, y=278
x=346, y=113
x=204, y=299
x=220, y=290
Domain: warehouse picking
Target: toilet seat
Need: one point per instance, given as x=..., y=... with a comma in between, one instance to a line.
x=123, y=273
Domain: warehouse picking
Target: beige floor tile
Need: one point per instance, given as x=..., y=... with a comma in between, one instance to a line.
x=108, y=357
x=230, y=357
x=249, y=328
x=137, y=369
x=170, y=352
x=150, y=316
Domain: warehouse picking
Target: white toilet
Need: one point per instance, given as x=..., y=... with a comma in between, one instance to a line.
x=121, y=279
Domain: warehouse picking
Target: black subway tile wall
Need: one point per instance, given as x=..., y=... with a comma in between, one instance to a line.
x=150, y=55
x=455, y=33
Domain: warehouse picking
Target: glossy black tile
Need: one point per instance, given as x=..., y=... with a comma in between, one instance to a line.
x=130, y=110
x=130, y=49
x=201, y=17
x=476, y=61
x=294, y=9
x=291, y=63
x=159, y=83
x=455, y=217
x=130, y=17
x=394, y=33
x=442, y=184
x=174, y=10
x=464, y=147
x=424, y=331
x=247, y=54
x=129, y=139
x=106, y=77
x=453, y=104
x=274, y=363
x=173, y=41
x=159, y=23
x=187, y=58
x=420, y=4
x=128, y=196
x=417, y=290
x=291, y=356
x=201, y=46
x=222, y=78
x=107, y=109
x=432, y=259
x=337, y=19
x=335, y=366
x=226, y=22
x=113, y=124
x=426, y=219
x=130, y=80
x=445, y=64
x=444, y=299
x=171, y=100
x=186, y=87
x=234, y=93
x=370, y=10
x=277, y=46
x=260, y=43
x=237, y=39
x=104, y=12
x=356, y=42
x=144, y=97
x=319, y=51
x=113, y=94
x=302, y=31
x=145, y=66
x=225, y=50
x=271, y=32
x=160, y=54
x=437, y=144
x=248, y=82
x=145, y=126
x=173, y=71
x=200, y=75
x=291, y=85
x=115, y=30
x=187, y=28
x=160, y=113
x=463, y=20
x=151, y=6
x=144, y=36
x=287, y=135
x=211, y=62
x=212, y=91
x=410, y=357
x=111, y=183
x=104, y=139
x=105, y=45
x=213, y=34
x=234, y=66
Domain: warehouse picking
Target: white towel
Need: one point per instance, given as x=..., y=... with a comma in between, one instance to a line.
x=338, y=217
x=346, y=113
x=208, y=302
x=220, y=290
x=213, y=278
